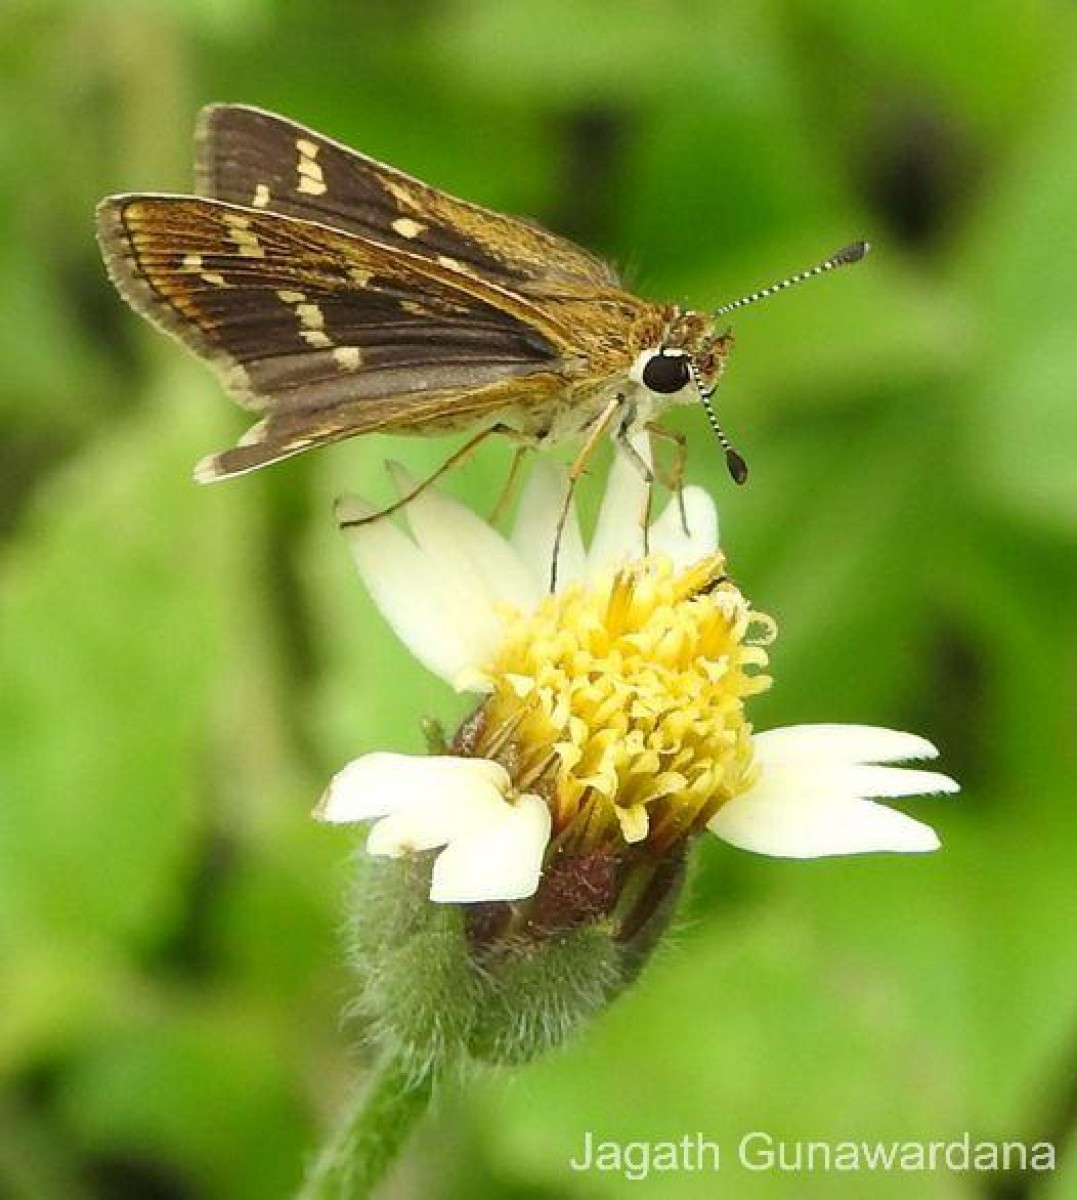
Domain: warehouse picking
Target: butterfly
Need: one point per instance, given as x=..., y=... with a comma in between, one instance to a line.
x=336, y=296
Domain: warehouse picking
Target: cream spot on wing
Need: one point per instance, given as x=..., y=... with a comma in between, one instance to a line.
x=452, y=263
x=414, y=306
x=311, y=179
x=408, y=228
x=360, y=276
x=194, y=264
x=348, y=357
x=312, y=320
x=261, y=196
x=310, y=316
x=400, y=194
x=239, y=233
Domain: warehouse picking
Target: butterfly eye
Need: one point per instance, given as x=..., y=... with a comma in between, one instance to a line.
x=666, y=373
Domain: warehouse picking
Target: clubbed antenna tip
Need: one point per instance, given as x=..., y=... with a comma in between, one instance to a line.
x=738, y=468
x=852, y=253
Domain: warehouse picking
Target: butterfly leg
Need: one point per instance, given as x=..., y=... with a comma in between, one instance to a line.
x=645, y=470
x=673, y=478
x=579, y=465
x=509, y=488
x=454, y=460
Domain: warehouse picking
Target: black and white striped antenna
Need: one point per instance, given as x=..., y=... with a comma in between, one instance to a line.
x=735, y=464
x=737, y=467
x=846, y=255
x=852, y=253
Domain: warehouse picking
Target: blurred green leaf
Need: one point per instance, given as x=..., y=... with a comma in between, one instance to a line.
x=112, y=615
x=1020, y=411
x=203, y=1091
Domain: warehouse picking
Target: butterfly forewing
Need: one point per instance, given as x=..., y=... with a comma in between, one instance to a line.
x=327, y=333
x=255, y=158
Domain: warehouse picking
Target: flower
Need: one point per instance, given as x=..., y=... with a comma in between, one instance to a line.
x=612, y=727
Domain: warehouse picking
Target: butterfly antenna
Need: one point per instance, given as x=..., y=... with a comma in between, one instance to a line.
x=846, y=255
x=738, y=468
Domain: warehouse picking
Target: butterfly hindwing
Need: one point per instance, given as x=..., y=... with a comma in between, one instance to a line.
x=250, y=157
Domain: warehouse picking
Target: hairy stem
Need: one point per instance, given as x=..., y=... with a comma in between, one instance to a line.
x=371, y=1134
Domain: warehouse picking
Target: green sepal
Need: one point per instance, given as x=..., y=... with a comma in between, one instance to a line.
x=435, y=996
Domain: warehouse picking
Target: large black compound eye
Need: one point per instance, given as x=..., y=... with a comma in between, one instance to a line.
x=666, y=373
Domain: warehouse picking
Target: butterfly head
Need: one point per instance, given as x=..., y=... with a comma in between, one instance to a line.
x=685, y=368
x=691, y=357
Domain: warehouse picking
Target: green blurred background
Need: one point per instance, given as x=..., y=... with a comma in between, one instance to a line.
x=181, y=668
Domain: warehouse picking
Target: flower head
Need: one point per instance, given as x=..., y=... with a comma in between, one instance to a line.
x=624, y=696
x=613, y=724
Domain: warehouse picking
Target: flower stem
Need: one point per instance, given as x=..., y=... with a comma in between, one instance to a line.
x=371, y=1133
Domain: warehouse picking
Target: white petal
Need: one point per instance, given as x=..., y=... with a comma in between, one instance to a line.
x=667, y=534
x=381, y=783
x=854, y=781
x=540, y=509
x=807, y=827
x=502, y=861
x=444, y=626
x=840, y=743
x=439, y=819
x=470, y=554
x=619, y=530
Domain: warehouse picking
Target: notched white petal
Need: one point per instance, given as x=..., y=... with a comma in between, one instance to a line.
x=441, y=624
x=441, y=818
x=841, y=744
x=381, y=783
x=467, y=552
x=501, y=861
x=853, y=780
x=789, y=828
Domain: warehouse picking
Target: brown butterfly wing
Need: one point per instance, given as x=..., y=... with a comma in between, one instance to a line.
x=325, y=332
x=250, y=157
